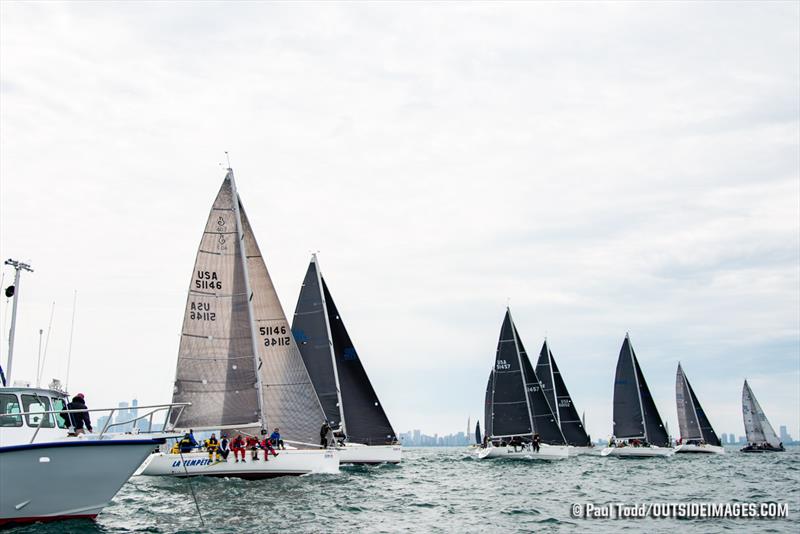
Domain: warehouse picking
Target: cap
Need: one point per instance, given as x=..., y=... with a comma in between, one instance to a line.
x=81, y=395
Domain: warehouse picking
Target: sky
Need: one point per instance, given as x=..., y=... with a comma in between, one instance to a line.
x=601, y=167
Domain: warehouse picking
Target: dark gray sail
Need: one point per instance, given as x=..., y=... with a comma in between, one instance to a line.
x=511, y=414
x=691, y=413
x=487, y=405
x=478, y=439
x=544, y=421
x=310, y=329
x=364, y=418
x=563, y=408
x=707, y=431
x=635, y=413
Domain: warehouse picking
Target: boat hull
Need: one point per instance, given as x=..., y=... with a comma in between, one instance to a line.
x=637, y=452
x=287, y=463
x=583, y=451
x=699, y=449
x=546, y=452
x=357, y=453
x=768, y=448
x=66, y=480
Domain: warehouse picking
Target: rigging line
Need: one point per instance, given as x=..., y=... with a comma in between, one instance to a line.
x=71, y=330
x=46, y=343
x=191, y=487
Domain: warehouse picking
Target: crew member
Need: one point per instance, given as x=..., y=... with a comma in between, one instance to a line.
x=323, y=434
x=212, y=445
x=224, y=450
x=238, y=447
x=252, y=444
x=267, y=446
x=275, y=439
x=77, y=420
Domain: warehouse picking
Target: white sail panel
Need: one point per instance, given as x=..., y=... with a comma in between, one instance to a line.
x=290, y=402
x=756, y=425
x=216, y=369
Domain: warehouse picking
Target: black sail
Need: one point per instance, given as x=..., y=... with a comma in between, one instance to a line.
x=563, y=407
x=509, y=404
x=310, y=330
x=544, y=420
x=478, y=439
x=487, y=405
x=707, y=431
x=628, y=416
x=656, y=432
x=364, y=418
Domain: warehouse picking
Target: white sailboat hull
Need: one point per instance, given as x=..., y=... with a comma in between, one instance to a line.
x=699, y=449
x=358, y=453
x=581, y=451
x=287, y=463
x=71, y=478
x=546, y=452
x=637, y=452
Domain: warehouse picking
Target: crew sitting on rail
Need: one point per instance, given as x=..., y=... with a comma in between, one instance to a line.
x=212, y=445
x=267, y=446
x=187, y=442
x=224, y=451
x=237, y=446
x=275, y=439
x=252, y=444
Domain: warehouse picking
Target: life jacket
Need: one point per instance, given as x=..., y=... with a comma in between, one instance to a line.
x=186, y=441
x=238, y=443
x=175, y=449
x=212, y=444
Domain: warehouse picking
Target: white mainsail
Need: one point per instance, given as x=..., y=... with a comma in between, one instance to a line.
x=235, y=337
x=756, y=425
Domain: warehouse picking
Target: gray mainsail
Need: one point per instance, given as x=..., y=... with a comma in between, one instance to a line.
x=557, y=394
x=361, y=414
x=635, y=413
x=756, y=425
x=692, y=420
x=237, y=363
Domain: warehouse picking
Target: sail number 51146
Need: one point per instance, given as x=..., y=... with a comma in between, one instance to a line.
x=271, y=333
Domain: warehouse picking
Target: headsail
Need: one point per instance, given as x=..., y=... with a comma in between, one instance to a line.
x=235, y=336
x=560, y=400
x=692, y=420
x=756, y=425
x=544, y=420
x=478, y=437
x=487, y=405
x=635, y=413
x=362, y=415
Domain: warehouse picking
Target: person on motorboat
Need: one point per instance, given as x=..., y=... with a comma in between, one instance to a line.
x=77, y=421
x=275, y=439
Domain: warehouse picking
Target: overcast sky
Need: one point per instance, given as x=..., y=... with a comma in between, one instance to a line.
x=609, y=168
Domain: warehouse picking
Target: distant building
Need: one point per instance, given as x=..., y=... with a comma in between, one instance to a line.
x=785, y=437
x=742, y=439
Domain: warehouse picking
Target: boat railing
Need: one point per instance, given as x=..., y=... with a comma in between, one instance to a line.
x=137, y=428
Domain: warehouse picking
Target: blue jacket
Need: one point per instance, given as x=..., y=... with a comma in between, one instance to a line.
x=275, y=437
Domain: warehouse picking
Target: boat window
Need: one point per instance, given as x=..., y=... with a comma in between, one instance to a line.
x=59, y=405
x=9, y=405
x=35, y=403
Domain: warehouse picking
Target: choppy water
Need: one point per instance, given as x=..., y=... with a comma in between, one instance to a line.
x=447, y=490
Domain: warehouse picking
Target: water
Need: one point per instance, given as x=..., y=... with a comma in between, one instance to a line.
x=447, y=490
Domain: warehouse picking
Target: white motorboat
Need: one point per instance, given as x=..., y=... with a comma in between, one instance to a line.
x=545, y=452
x=41, y=460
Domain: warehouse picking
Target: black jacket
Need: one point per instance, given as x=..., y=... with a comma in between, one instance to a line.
x=77, y=420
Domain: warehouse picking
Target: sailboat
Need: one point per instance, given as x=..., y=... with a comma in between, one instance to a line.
x=761, y=436
x=563, y=408
x=478, y=439
x=351, y=406
x=238, y=364
x=517, y=410
x=638, y=429
x=697, y=435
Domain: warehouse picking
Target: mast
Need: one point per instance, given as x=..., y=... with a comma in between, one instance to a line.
x=18, y=267
x=638, y=386
x=330, y=344
x=521, y=370
x=250, y=315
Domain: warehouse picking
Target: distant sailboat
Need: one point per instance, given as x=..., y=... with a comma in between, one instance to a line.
x=348, y=398
x=517, y=409
x=760, y=435
x=638, y=429
x=238, y=364
x=697, y=435
x=478, y=438
x=561, y=403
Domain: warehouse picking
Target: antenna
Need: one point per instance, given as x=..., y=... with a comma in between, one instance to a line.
x=18, y=267
x=227, y=157
x=46, y=344
x=39, y=360
x=71, y=330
